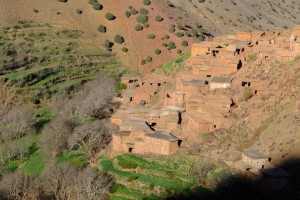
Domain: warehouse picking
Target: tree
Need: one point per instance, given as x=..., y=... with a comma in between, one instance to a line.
x=159, y=18
x=91, y=136
x=118, y=39
x=110, y=16
x=16, y=123
x=102, y=29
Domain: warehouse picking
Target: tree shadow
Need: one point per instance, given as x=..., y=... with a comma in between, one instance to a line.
x=268, y=184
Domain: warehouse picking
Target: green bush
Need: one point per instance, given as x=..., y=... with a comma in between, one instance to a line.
x=146, y=25
x=159, y=18
x=143, y=11
x=124, y=49
x=78, y=11
x=102, y=29
x=110, y=16
x=143, y=62
x=97, y=6
x=172, y=28
x=108, y=45
x=179, y=51
x=201, y=38
x=149, y=59
x=139, y=27
x=142, y=19
x=157, y=51
x=92, y=1
x=133, y=11
x=128, y=14
x=184, y=43
x=166, y=37
x=164, y=44
x=118, y=39
x=247, y=94
x=146, y=2
x=171, y=45
x=151, y=36
x=179, y=34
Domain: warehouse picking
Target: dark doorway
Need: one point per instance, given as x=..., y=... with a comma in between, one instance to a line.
x=130, y=150
x=179, y=143
x=131, y=99
x=179, y=118
x=240, y=65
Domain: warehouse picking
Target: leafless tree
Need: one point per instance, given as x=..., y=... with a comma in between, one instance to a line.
x=55, y=136
x=16, y=123
x=90, y=185
x=92, y=136
x=97, y=96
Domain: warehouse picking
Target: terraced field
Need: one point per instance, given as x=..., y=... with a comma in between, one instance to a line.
x=140, y=178
x=41, y=60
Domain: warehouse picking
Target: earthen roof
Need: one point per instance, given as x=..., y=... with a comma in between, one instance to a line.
x=221, y=80
x=254, y=154
x=162, y=136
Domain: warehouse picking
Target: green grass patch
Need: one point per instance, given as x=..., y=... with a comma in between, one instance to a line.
x=34, y=166
x=74, y=159
x=12, y=166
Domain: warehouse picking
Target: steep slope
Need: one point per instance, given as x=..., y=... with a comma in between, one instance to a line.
x=228, y=16
x=137, y=43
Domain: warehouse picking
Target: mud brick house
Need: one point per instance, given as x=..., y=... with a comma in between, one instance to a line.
x=243, y=36
x=144, y=93
x=274, y=178
x=254, y=159
x=219, y=83
x=199, y=122
x=160, y=143
x=174, y=98
x=131, y=81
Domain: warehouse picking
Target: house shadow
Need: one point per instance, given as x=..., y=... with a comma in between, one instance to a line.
x=266, y=186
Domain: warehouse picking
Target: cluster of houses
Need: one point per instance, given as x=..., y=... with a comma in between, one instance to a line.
x=186, y=109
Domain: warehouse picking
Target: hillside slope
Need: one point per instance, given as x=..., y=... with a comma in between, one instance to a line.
x=139, y=46
x=228, y=16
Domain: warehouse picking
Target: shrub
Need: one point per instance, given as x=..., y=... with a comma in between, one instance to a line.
x=128, y=14
x=143, y=62
x=110, y=16
x=35, y=10
x=118, y=39
x=164, y=44
x=146, y=2
x=149, y=59
x=157, y=51
x=124, y=49
x=180, y=27
x=166, y=37
x=142, y=19
x=143, y=11
x=201, y=38
x=63, y=1
x=151, y=36
x=146, y=25
x=108, y=45
x=102, y=29
x=159, y=18
x=97, y=6
x=247, y=94
x=171, y=45
x=133, y=11
x=78, y=11
x=179, y=34
x=179, y=51
x=139, y=27
x=172, y=28
x=184, y=43
x=92, y=1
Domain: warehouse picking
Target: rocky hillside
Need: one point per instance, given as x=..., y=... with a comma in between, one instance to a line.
x=228, y=16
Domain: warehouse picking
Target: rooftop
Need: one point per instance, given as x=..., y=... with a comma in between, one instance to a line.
x=221, y=80
x=162, y=136
x=254, y=154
